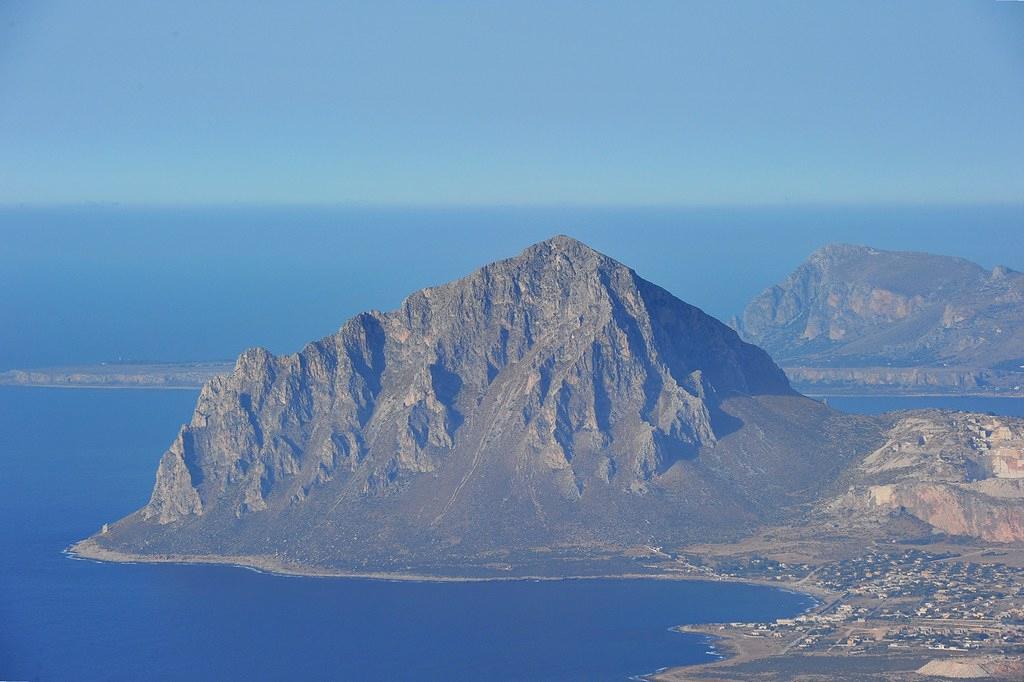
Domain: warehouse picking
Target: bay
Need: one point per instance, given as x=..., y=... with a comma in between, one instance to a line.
x=73, y=459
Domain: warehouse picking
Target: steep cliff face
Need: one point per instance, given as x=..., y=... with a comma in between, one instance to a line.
x=854, y=306
x=552, y=398
x=961, y=473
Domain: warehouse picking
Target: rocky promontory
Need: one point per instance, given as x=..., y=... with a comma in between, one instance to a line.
x=551, y=400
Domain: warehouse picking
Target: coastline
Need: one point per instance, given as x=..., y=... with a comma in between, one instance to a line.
x=726, y=645
x=88, y=550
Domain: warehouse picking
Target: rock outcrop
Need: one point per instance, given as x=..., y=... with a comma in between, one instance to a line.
x=552, y=399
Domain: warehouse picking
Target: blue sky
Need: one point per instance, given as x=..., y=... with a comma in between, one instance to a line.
x=512, y=103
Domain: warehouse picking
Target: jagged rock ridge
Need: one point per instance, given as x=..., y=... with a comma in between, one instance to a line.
x=552, y=398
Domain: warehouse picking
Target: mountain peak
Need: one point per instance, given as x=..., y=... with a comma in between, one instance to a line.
x=553, y=386
x=565, y=249
x=564, y=242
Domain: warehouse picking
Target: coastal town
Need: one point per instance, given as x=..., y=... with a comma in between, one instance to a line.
x=888, y=611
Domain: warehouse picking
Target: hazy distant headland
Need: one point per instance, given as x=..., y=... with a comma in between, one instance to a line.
x=859, y=320
x=170, y=375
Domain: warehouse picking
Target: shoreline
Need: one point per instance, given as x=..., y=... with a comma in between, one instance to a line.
x=727, y=647
x=87, y=550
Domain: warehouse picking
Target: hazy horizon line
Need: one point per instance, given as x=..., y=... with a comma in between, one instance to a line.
x=1009, y=204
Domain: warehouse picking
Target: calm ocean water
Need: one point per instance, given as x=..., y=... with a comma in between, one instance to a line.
x=73, y=459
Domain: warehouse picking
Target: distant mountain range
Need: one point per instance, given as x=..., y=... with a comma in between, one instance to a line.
x=552, y=407
x=854, y=318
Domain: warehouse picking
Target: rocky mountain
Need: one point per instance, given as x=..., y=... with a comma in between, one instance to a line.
x=551, y=402
x=960, y=473
x=854, y=315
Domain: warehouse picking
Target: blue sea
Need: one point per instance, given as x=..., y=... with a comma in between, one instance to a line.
x=74, y=459
x=71, y=460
